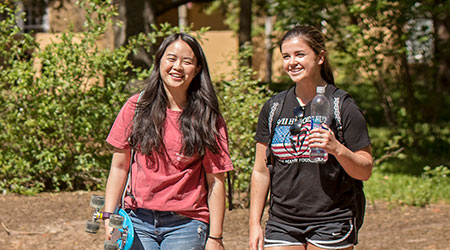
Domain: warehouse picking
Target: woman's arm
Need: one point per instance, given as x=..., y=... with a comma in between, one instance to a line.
x=259, y=188
x=357, y=164
x=116, y=181
x=216, y=205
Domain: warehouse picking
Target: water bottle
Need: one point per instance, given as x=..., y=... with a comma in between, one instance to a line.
x=320, y=114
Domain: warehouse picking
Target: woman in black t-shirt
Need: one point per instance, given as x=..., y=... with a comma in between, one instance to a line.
x=312, y=205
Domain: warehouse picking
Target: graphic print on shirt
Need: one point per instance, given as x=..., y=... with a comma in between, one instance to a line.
x=291, y=148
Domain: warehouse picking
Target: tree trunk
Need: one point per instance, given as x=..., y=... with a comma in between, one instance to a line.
x=137, y=17
x=245, y=25
x=269, y=49
x=441, y=24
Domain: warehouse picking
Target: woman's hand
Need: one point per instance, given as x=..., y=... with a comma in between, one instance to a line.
x=108, y=230
x=324, y=138
x=214, y=244
x=256, y=239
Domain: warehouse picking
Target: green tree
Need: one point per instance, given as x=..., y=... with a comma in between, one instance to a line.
x=373, y=37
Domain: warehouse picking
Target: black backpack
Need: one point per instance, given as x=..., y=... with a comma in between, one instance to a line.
x=276, y=104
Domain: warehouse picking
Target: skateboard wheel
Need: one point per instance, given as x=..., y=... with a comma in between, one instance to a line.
x=97, y=201
x=110, y=245
x=115, y=221
x=92, y=227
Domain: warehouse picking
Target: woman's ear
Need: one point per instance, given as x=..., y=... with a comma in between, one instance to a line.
x=322, y=55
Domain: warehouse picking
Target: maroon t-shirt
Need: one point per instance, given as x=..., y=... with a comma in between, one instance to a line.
x=170, y=181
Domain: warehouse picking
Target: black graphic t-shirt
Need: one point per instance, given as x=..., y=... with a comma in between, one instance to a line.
x=304, y=192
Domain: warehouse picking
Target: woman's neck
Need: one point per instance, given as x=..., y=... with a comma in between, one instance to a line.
x=176, y=100
x=305, y=91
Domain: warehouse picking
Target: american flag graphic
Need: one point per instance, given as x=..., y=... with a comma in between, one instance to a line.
x=288, y=148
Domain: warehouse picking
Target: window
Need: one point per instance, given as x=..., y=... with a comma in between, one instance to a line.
x=35, y=16
x=420, y=42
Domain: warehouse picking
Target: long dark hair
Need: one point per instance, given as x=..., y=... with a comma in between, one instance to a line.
x=314, y=38
x=198, y=119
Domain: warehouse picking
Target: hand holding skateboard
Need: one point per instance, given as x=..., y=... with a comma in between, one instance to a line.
x=122, y=235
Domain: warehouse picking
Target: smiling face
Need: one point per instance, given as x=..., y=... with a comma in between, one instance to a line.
x=299, y=60
x=178, y=66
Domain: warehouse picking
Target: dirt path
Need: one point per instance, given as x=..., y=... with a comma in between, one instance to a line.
x=57, y=221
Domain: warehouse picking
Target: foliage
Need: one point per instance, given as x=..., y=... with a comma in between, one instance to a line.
x=60, y=101
x=402, y=172
x=398, y=151
x=242, y=99
x=231, y=10
x=59, y=104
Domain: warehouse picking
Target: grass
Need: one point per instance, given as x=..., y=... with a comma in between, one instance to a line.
x=418, y=173
x=407, y=189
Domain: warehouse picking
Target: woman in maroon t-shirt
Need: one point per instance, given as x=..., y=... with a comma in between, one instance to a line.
x=177, y=186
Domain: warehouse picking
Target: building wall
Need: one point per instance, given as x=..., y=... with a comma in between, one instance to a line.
x=219, y=44
x=196, y=16
x=220, y=47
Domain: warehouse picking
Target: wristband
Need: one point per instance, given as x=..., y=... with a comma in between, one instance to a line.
x=106, y=215
x=215, y=238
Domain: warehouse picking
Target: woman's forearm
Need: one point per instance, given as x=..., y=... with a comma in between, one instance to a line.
x=116, y=179
x=357, y=164
x=260, y=182
x=216, y=203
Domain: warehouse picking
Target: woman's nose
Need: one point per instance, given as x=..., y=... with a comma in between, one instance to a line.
x=177, y=64
x=292, y=61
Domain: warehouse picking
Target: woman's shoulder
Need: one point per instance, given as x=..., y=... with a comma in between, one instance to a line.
x=132, y=100
x=134, y=97
x=130, y=105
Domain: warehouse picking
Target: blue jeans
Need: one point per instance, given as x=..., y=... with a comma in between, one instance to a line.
x=158, y=230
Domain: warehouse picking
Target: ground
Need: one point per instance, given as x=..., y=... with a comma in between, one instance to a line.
x=57, y=221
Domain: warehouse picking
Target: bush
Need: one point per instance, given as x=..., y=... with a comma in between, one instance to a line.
x=242, y=99
x=57, y=115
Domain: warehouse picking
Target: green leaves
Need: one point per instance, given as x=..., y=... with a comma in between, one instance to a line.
x=242, y=99
x=58, y=104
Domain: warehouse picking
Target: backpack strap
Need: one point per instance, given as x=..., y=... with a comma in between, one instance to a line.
x=337, y=100
x=276, y=104
x=127, y=192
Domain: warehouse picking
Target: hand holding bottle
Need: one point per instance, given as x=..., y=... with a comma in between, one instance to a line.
x=320, y=116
